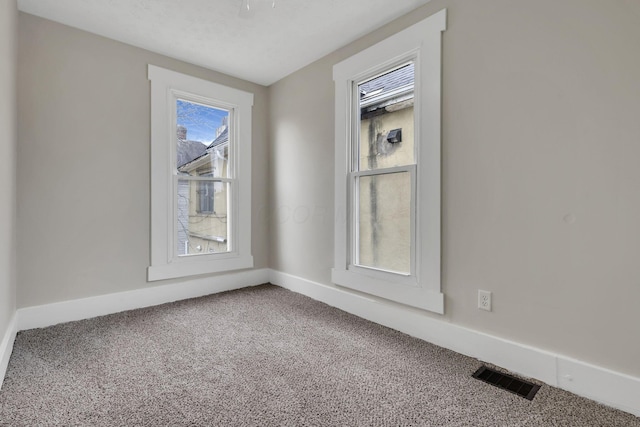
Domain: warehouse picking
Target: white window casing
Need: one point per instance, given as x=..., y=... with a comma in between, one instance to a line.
x=421, y=287
x=166, y=87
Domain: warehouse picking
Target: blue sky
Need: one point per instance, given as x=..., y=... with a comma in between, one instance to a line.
x=201, y=121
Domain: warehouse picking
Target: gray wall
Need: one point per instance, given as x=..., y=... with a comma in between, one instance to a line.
x=541, y=176
x=8, y=140
x=83, y=162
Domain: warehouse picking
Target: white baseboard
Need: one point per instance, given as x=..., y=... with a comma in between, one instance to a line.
x=600, y=384
x=86, y=308
x=6, y=347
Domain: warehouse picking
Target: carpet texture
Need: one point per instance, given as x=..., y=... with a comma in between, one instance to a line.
x=260, y=356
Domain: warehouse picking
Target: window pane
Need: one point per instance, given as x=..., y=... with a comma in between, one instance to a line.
x=202, y=217
x=384, y=222
x=202, y=140
x=386, y=120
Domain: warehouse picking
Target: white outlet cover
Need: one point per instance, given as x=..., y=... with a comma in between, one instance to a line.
x=484, y=300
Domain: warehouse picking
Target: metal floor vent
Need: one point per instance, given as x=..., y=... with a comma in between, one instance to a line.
x=507, y=382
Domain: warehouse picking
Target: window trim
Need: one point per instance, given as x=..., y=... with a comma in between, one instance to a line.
x=422, y=43
x=166, y=87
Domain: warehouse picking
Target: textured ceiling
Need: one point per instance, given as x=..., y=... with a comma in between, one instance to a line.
x=263, y=47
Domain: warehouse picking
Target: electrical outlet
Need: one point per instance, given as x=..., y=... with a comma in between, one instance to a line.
x=484, y=300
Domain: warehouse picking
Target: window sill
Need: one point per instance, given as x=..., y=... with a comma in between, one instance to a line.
x=413, y=296
x=194, y=268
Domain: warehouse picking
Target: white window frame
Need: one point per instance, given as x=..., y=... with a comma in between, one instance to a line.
x=166, y=87
x=420, y=288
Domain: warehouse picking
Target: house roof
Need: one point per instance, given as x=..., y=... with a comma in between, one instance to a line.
x=187, y=151
x=220, y=139
x=389, y=82
x=388, y=89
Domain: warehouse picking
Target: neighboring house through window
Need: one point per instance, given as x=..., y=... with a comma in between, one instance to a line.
x=205, y=197
x=388, y=167
x=200, y=176
x=206, y=225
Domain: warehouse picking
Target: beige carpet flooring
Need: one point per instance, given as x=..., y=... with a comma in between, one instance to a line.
x=260, y=356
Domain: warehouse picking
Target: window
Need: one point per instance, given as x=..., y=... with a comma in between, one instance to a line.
x=388, y=167
x=205, y=197
x=200, y=176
